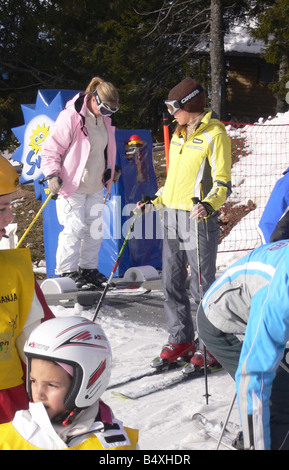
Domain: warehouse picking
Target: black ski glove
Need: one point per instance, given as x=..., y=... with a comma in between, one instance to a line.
x=106, y=175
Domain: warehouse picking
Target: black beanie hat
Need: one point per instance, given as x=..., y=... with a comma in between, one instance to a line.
x=190, y=94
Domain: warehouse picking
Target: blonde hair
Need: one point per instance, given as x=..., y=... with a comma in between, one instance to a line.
x=106, y=91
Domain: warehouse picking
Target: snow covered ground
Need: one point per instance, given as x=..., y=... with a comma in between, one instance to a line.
x=164, y=418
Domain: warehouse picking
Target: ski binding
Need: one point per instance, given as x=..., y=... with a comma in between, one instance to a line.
x=231, y=435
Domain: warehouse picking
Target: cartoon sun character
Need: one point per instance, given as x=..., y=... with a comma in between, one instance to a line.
x=38, y=137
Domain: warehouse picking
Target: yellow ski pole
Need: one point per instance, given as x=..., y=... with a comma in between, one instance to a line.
x=34, y=220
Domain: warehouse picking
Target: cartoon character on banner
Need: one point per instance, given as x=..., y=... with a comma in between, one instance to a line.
x=39, y=119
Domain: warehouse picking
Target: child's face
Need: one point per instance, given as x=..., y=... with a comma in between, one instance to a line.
x=49, y=385
x=6, y=215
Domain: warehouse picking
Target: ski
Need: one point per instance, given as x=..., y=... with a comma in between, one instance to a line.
x=91, y=297
x=214, y=430
x=131, y=378
x=130, y=291
x=164, y=384
x=144, y=373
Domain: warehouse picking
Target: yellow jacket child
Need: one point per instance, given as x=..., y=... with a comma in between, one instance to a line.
x=69, y=364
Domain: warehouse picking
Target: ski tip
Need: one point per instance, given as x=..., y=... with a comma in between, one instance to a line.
x=200, y=418
x=159, y=363
x=190, y=369
x=120, y=395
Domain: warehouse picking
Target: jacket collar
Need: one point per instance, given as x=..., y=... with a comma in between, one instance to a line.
x=30, y=422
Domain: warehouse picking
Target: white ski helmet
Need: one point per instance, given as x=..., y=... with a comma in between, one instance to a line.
x=80, y=343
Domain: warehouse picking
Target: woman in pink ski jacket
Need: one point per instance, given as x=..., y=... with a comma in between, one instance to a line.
x=78, y=157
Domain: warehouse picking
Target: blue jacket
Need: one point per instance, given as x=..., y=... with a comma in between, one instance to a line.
x=276, y=207
x=252, y=297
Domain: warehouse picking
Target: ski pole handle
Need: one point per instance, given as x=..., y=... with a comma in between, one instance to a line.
x=196, y=200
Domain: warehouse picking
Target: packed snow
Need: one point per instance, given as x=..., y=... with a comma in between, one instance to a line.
x=164, y=418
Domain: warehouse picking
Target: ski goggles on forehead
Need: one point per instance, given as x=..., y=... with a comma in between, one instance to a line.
x=103, y=108
x=173, y=106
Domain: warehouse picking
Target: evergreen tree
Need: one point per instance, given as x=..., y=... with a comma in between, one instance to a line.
x=273, y=29
x=144, y=49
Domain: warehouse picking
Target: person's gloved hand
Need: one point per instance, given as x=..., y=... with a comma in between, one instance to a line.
x=54, y=184
x=106, y=175
x=145, y=205
x=117, y=174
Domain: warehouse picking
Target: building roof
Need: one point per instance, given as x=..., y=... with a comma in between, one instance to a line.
x=237, y=42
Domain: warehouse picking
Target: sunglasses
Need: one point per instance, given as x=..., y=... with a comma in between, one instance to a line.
x=103, y=108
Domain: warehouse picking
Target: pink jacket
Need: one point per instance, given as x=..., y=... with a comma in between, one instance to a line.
x=66, y=149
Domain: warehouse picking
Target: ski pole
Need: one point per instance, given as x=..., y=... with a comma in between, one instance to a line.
x=197, y=201
x=131, y=229
x=34, y=220
x=226, y=421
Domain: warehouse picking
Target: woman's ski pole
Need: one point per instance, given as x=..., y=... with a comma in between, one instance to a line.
x=131, y=229
x=196, y=201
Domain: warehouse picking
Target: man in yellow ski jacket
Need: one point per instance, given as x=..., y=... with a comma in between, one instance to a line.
x=200, y=168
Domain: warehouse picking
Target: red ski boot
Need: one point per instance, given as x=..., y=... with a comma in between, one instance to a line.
x=198, y=359
x=174, y=354
x=197, y=363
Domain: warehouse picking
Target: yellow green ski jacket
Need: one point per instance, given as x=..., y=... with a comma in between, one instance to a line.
x=198, y=167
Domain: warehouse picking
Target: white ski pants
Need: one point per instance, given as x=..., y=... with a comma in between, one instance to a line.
x=80, y=240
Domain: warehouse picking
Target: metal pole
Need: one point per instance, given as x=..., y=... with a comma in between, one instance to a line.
x=226, y=421
x=34, y=220
x=166, y=138
x=137, y=215
x=197, y=201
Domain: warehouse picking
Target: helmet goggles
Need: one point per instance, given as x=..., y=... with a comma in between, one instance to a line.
x=103, y=108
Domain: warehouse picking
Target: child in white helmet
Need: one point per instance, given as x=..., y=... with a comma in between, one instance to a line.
x=69, y=365
x=22, y=305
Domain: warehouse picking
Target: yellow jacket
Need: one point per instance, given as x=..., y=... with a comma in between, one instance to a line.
x=198, y=167
x=17, y=285
x=33, y=430
x=11, y=440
